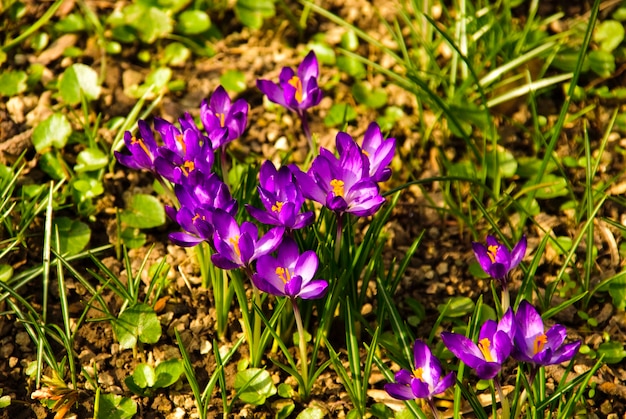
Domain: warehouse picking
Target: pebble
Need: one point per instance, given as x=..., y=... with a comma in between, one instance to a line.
x=6, y=350
x=22, y=339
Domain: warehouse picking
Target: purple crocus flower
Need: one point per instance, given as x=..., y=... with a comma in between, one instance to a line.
x=297, y=92
x=496, y=260
x=237, y=246
x=493, y=348
x=341, y=184
x=378, y=150
x=281, y=197
x=222, y=120
x=424, y=381
x=185, y=150
x=143, y=148
x=199, y=195
x=290, y=273
x=536, y=346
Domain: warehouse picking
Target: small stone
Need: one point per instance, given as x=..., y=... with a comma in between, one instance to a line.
x=205, y=347
x=22, y=339
x=442, y=268
x=6, y=350
x=13, y=361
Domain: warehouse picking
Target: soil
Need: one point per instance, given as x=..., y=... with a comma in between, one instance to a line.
x=438, y=271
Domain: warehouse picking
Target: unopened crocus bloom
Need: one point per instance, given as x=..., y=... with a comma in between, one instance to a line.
x=424, y=381
x=378, y=150
x=496, y=260
x=282, y=198
x=237, y=246
x=223, y=121
x=341, y=184
x=295, y=91
x=290, y=273
x=199, y=196
x=143, y=148
x=535, y=345
x=495, y=343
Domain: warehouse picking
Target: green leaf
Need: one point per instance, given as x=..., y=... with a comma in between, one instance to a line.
x=90, y=159
x=458, y=307
x=349, y=41
x=6, y=272
x=73, y=22
x=79, y=79
x=52, y=132
x=351, y=66
x=602, y=63
x=5, y=401
x=144, y=375
x=74, y=235
x=311, y=413
x=617, y=291
x=150, y=22
x=86, y=187
x=12, y=83
x=339, y=114
x=254, y=385
x=144, y=211
x=52, y=164
x=138, y=322
x=176, y=54
x=613, y=352
x=168, y=372
x=325, y=53
x=283, y=408
x=609, y=34
x=234, y=81
x=193, y=22
x=133, y=238
x=113, y=406
x=552, y=186
x=503, y=161
x=252, y=12
x=365, y=94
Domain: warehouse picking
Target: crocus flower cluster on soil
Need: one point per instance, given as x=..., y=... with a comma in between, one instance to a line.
x=345, y=182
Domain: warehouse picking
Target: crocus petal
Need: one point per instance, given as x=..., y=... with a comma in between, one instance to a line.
x=183, y=239
x=293, y=286
x=314, y=289
x=463, y=348
x=269, y=286
x=565, y=353
x=518, y=252
x=272, y=91
x=420, y=389
x=307, y=264
x=487, y=370
x=269, y=242
x=555, y=336
x=528, y=320
x=399, y=391
x=444, y=384
x=223, y=262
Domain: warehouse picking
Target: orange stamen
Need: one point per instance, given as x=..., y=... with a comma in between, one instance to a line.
x=484, y=345
x=297, y=84
x=187, y=167
x=235, y=242
x=540, y=342
x=143, y=146
x=337, y=186
x=278, y=206
x=417, y=373
x=221, y=117
x=491, y=252
x=283, y=274
x=180, y=140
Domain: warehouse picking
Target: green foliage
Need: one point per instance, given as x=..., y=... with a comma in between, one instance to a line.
x=137, y=323
x=143, y=211
x=114, y=406
x=79, y=80
x=73, y=235
x=254, y=386
x=12, y=82
x=53, y=132
x=146, y=379
x=234, y=81
x=339, y=114
x=252, y=13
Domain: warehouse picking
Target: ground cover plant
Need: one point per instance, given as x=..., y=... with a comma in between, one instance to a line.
x=312, y=209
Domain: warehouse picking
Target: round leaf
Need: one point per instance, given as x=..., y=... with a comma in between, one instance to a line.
x=234, y=81
x=609, y=34
x=90, y=159
x=144, y=376
x=144, y=211
x=76, y=80
x=254, y=385
x=52, y=132
x=113, y=406
x=12, y=83
x=74, y=235
x=193, y=22
x=138, y=322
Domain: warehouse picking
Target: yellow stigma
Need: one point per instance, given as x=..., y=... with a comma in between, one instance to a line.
x=366, y=153
x=198, y=217
x=235, y=242
x=417, y=373
x=491, y=252
x=337, y=186
x=540, y=342
x=187, y=167
x=278, y=206
x=283, y=274
x=297, y=84
x=135, y=140
x=221, y=117
x=181, y=141
x=484, y=345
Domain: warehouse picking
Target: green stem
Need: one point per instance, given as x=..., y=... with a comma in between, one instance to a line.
x=504, y=402
x=506, y=299
x=304, y=364
x=257, y=352
x=338, y=239
x=433, y=408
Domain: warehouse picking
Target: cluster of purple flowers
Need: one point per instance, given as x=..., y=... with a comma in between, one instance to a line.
x=520, y=335
x=206, y=210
